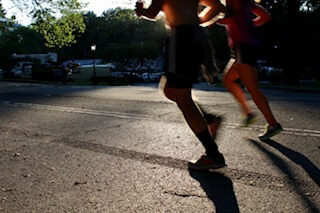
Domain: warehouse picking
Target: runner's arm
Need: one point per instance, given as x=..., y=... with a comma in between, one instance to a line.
x=262, y=14
x=151, y=12
x=208, y=15
x=224, y=21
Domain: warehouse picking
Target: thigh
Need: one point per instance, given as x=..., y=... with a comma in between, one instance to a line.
x=177, y=81
x=248, y=76
x=230, y=71
x=246, y=54
x=178, y=95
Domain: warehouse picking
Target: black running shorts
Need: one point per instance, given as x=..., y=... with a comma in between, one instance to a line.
x=186, y=49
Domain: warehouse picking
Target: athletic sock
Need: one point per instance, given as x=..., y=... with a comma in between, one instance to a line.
x=208, y=143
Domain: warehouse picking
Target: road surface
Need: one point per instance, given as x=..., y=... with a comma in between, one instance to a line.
x=125, y=149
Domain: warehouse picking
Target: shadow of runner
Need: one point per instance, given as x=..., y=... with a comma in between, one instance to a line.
x=218, y=188
x=298, y=158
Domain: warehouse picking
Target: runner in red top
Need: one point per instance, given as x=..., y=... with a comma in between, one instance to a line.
x=241, y=20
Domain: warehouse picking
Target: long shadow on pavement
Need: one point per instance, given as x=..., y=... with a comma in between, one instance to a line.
x=311, y=169
x=299, y=159
x=218, y=188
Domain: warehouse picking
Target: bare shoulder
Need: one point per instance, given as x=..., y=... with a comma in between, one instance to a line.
x=209, y=2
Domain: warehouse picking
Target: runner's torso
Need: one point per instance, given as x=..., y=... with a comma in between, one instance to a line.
x=241, y=28
x=181, y=12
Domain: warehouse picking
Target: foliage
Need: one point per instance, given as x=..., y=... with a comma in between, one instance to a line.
x=291, y=36
x=120, y=36
x=21, y=40
x=135, y=39
x=5, y=23
x=59, y=21
x=60, y=32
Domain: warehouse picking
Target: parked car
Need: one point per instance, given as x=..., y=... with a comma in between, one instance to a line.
x=151, y=77
x=85, y=73
x=25, y=73
x=22, y=69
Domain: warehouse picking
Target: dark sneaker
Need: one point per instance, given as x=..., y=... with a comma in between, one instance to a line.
x=213, y=123
x=270, y=131
x=205, y=163
x=250, y=119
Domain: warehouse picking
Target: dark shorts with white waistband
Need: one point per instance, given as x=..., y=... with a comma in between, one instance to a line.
x=186, y=49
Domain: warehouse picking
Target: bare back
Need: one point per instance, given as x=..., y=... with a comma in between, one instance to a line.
x=181, y=12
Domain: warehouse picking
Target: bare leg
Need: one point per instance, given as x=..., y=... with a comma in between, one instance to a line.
x=194, y=118
x=249, y=79
x=229, y=81
x=190, y=111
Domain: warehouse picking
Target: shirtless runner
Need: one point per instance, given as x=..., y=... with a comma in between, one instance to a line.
x=187, y=48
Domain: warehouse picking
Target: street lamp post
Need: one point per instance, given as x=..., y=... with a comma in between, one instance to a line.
x=93, y=48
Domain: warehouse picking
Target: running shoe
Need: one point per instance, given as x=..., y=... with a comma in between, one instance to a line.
x=270, y=131
x=205, y=163
x=250, y=119
x=213, y=123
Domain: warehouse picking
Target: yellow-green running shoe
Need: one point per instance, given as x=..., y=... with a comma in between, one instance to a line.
x=270, y=131
x=249, y=119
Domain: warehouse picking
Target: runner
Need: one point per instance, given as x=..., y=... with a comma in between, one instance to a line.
x=241, y=20
x=185, y=51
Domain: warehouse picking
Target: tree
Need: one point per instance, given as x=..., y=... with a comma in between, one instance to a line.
x=292, y=35
x=20, y=40
x=5, y=26
x=59, y=21
x=131, y=40
x=298, y=35
x=5, y=23
x=120, y=36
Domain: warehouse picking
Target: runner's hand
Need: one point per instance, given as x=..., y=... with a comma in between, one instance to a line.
x=139, y=7
x=210, y=76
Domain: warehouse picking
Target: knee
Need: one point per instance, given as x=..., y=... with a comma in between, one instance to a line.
x=227, y=80
x=182, y=100
x=169, y=93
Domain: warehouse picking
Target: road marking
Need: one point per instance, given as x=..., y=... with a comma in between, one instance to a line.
x=76, y=110
x=289, y=131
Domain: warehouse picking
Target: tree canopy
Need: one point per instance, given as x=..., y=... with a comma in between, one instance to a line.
x=59, y=21
x=119, y=36
x=291, y=36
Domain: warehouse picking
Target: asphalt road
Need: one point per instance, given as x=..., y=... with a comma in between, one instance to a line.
x=125, y=149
